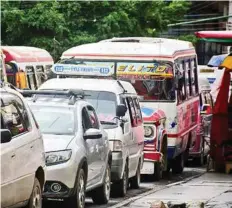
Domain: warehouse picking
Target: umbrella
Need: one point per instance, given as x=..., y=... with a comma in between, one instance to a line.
x=217, y=60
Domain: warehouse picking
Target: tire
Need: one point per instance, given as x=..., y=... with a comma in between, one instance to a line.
x=101, y=195
x=78, y=200
x=158, y=172
x=135, y=181
x=35, y=200
x=120, y=187
x=178, y=164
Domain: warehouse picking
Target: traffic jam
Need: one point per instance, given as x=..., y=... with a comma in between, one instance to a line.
x=108, y=114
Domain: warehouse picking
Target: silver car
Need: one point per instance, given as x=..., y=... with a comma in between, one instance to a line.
x=78, y=156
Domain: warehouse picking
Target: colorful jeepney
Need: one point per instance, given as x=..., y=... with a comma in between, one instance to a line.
x=26, y=67
x=164, y=74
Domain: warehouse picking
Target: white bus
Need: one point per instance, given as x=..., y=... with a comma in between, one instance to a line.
x=164, y=74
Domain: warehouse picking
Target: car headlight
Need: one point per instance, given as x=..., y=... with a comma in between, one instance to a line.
x=57, y=157
x=149, y=131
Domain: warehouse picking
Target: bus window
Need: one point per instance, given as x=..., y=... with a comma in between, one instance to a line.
x=31, y=80
x=194, y=66
x=181, y=87
x=188, y=74
x=40, y=75
x=11, y=71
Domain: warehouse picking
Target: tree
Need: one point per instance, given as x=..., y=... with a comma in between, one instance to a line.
x=58, y=25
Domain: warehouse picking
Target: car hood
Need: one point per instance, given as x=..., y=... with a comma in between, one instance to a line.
x=111, y=133
x=56, y=142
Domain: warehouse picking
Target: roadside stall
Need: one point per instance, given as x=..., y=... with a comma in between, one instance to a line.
x=220, y=157
x=26, y=67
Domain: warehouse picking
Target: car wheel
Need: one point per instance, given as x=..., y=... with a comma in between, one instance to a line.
x=178, y=164
x=158, y=171
x=120, y=187
x=78, y=200
x=101, y=195
x=35, y=200
x=135, y=181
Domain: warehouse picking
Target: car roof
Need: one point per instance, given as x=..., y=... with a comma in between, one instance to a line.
x=55, y=101
x=89, y=84
x=7, y=89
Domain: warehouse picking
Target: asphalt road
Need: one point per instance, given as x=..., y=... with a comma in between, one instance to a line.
x=146, y=185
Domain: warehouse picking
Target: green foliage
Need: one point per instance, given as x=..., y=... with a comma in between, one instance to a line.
x=190, y=38
x=59, y=25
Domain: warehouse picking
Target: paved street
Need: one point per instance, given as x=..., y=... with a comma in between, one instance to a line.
x=213, y=189
x=147, y=186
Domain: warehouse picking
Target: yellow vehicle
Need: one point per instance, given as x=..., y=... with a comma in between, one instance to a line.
x=26, y=67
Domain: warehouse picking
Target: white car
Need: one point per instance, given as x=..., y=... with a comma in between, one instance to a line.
x=78, y=155
x=22, y=153
x=118, y=109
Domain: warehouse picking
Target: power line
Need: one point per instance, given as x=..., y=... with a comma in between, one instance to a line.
x=201, y=20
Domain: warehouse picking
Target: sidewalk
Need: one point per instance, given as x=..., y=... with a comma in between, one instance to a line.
x=213, y=189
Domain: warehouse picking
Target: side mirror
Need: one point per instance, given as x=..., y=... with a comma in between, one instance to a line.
x=121, y=110
x=93, y=134
x=206, y=109
x=5, y=136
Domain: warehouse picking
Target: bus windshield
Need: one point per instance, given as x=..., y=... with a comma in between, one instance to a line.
x=159, y=89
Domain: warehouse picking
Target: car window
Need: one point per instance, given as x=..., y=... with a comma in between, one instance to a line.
x=132, y=111
x=23, y=112
x=86, y=123
x=105, y=104
x=93, y=117
x=137, y=109
x=12, y=117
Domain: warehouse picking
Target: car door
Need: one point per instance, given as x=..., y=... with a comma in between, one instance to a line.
x=101, y=144
x=133, y=149
x=25, y=142
x=90, y=148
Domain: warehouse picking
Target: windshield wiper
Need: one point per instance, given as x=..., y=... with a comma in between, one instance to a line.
x=108, y=123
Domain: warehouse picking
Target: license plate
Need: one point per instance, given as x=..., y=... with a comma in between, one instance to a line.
x=148, y=168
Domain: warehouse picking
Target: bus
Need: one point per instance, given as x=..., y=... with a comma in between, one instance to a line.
x=164, y=74
x=26, y=67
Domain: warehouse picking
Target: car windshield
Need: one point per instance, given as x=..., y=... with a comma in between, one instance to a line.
x=158, y=89
x=54, y=120
x=105, y=105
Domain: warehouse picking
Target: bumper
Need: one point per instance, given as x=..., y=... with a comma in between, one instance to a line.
x=64, y=192
x=117, y=166
x=65, y=176
x=148, y=167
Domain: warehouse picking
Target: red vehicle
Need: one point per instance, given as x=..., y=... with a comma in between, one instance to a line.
x=221, y=132
x=26, y=67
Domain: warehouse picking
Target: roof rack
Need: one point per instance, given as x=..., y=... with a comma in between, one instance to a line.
x=72, y=94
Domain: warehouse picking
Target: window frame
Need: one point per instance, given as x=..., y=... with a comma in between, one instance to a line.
x=12, y=101
x=90, y=108
x=134, y=120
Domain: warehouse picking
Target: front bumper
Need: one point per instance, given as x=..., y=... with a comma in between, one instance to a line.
x=117, y=166
x=65, y=192
x=63, y=174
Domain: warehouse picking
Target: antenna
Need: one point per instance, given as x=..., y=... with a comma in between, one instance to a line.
x=120, y=84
